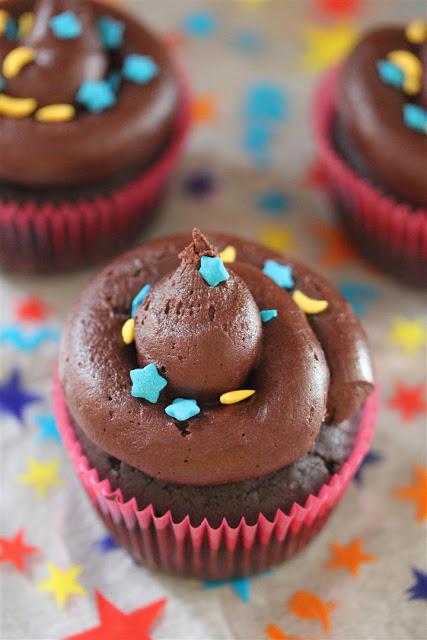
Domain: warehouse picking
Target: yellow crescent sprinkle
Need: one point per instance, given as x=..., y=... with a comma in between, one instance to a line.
x=416, y=31
x=233, y=397
x=25, y=24
x=412, y=69
x=128, y=331
x=228, y=254
x=4, y=17
x=16, y=60
x=56, y=113
x=309, y=305
x=411, y=85
x=16, y=107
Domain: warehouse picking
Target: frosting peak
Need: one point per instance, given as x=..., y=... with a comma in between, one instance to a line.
x=185, y=323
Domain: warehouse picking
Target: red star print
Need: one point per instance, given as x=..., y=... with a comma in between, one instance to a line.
x=31, y=309
x=408, y=400
x=14, y=550
x=118, y=625
x=338, y=8
x=316, y=176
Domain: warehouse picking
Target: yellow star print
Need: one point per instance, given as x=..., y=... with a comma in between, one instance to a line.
x=326, y=45
x=251, y=3
x=41, y=476
x=62, y=583
x=411, y=335
x=278, y=238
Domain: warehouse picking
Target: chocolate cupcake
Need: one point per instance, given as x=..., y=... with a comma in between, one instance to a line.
x=371, y=125
x=92, y=118
x=214, y=405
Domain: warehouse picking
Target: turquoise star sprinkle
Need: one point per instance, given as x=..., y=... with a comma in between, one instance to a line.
x=2, y=83
x=390, y=73
x=147, y=383
x=66, y=25
x=139, y=69
x=182, y=409
x=281, y=274
x=415, y=117
x=212, y=270
x=114, y=80
x=111, y=32
x=139, y=298
x=96, y=95
x=11, y=31
x=268, y=314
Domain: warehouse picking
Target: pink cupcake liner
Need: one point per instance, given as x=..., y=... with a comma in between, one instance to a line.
x=204, y=551
x=66, y=235
x=391, y=234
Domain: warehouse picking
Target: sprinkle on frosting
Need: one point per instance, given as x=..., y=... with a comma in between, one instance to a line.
x=415, y=117
x=4, y=17
x=212, y=270
x=281, y=274
x=390, y=73
x=416, y=31
x=115, y=79
x=96, y=95
x=17, y=107
x=56, y=113
x=139, y=69
x=139, y=298
x=147, y=383
x=268, y=314
x=11, y=29
x=66, y=25
x=411, y=67
x=308, y=305
x=233, y=397
x=228, y=254
x=182, y=409
x=128, y=331
x=2, y=82
x=16, y=60
x=25, y=24
x=111, y=32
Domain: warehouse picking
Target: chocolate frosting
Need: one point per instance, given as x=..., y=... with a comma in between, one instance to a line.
x=310, y=368
x=370, y=115
x=91, y=146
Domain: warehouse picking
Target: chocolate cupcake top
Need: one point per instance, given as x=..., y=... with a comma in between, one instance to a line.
x=85, y=92
x=211, y=367
x=382, y=107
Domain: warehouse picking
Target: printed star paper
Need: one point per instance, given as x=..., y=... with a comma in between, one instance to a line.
x=408, y=400
x=41, y=476
x=416, y=492
x=31, y=309
x=418, y=591
x=14, y=398
x=410, y=335
x=14, y=550
x=349, y=556
x=325, y=46
x=62, y=583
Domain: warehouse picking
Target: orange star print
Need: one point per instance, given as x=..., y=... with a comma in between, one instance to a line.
x=275, y=633
x=349, y=556
x=308, y=606
x=416, y=492
x=338, y=250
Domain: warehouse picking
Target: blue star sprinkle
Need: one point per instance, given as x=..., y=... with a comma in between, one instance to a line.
x=418, y=591
x=139, y=298
x=359, y=295
x=240, y=586
x=372, y=457
x=114, y=80
x=415, y=117
x=2, y=83
x=200, y=24
x=47, y=425
x=111, y=32
x=212, y=270
x=147, y=383
x=25, y=341
x=66, y=25
x=105, y=544
x=96, y=95
x=390, y=73
x=281, y=274
x=274, y=203
x=139, y=69
x=182, y=409
x=11, y=31
x=14, y=398
x=268, y=314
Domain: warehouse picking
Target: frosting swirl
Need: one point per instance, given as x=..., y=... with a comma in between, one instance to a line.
x=311, y=367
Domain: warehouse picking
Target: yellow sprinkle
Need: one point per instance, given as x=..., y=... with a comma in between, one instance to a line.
x=128, y=331
x=16, y=107
x=416, y=31
x=56, y=113
x=4, y=17
x=16, y=59
x=309, y=305
x=232, y=397
x=411, y=85
x=228, y=254
x=25, y=23
x=412, y=69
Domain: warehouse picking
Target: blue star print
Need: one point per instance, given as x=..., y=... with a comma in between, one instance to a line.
x=14, y=398
x=107, y=543
x=371, y=458
x=147, y=383
x=182, y=409
x=47, y=425
x=418, y=591
x=240, y=586
x=212, y=270
x=281, y=274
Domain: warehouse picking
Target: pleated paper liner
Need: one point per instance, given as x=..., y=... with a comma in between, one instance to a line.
x=204, y=551
x=68, y=235
x=390, y=234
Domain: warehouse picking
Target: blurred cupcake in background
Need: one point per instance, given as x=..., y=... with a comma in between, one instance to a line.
x=93, y=115
x=370, y=119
